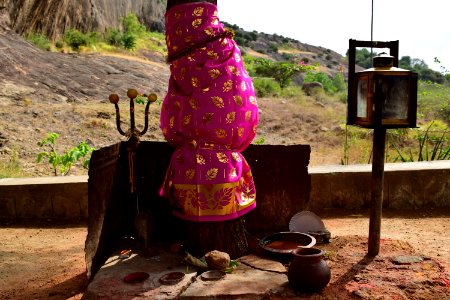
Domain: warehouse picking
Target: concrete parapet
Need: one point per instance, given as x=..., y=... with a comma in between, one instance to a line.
x=61, y=197
x=419, y=185
x=415, y=185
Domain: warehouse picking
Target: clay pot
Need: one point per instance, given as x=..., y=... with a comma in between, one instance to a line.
x=308, y=272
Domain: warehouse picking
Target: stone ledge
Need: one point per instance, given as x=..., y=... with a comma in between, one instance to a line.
x=43, y=180
x=416, y=185
x=390, y=167
x=58, y=197
x=407, y=186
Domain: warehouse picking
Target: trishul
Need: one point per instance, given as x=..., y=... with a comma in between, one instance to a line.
x=132, y=134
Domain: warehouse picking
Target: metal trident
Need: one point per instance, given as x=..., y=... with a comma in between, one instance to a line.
x=133, y=134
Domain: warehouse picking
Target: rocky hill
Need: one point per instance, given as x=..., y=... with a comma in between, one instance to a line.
x=53, y=17
x=42, y=92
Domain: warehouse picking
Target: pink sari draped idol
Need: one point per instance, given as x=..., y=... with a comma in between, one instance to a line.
x=209, y=115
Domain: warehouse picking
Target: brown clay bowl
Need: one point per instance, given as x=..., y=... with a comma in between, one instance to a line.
x=283, y=243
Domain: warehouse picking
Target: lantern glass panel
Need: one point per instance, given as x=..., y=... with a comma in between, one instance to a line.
x=394, y=94
x=362, y=97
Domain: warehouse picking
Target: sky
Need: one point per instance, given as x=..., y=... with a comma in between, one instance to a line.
x=422, y=27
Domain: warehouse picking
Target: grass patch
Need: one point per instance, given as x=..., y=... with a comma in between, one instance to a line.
x=11, y=168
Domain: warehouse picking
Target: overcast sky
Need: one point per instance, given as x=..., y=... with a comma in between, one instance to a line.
x=422, y=27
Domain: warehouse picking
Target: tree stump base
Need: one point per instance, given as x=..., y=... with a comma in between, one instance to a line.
x=227, y=236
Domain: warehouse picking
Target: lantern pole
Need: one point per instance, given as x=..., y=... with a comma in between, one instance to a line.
x=379, y=139
x=376, y=201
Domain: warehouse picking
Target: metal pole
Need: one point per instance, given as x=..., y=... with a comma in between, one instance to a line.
x=376, y=201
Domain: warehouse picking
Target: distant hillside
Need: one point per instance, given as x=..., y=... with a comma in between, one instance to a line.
x=280, y=48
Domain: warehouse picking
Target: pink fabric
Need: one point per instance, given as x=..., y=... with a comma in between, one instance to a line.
x=209, y=115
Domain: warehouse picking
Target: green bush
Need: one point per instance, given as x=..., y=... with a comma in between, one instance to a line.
x=433, y=144
x=339, y=82
x=113, y=37
x=129, y=41
x=59, y=44
x=342, y=96
x=323, y=78
x=63, y=162
x=266, y=87
x=92, y=38
x=39, y=40
x=250, y=64
x=444, y=112
x=75, y=39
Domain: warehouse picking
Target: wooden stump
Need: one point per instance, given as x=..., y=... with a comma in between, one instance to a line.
x=227, y=236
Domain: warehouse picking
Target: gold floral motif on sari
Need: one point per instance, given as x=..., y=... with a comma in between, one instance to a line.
x=241, y=131
x=221, y=133
x=214, y=73
x=187, y=120
x=196, y=23
x=218, y=101
x=198, y=11
x=238, y=100
x=234, y=70
x=212, y=55
x=195, y=82
x=231, y=117
x=193, y=103
x=200, y=159
x=211, y=173
x=209, y=31
x=227, y=86
x=222, y=157
x=190, y=174
x=236, y=156
x=248, y=115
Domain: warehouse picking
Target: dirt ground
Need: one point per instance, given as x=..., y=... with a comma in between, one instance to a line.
x=46, y=261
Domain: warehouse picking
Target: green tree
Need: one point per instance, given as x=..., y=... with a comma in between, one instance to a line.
x=405, y=62
x=363, y=58
x=131, y=25
x=282, y=72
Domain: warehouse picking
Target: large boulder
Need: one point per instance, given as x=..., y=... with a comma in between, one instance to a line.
x=309, y=88
x=54, y=17
x=5, y=22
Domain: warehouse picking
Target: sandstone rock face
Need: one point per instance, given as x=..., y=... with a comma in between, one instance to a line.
x=54, y=17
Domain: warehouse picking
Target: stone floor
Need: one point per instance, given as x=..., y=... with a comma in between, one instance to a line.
x=398, y=272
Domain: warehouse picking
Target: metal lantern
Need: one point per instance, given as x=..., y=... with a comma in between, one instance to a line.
x=382, y=96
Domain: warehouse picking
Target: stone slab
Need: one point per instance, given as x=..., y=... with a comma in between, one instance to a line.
x=108, y=282
x=254, y=278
